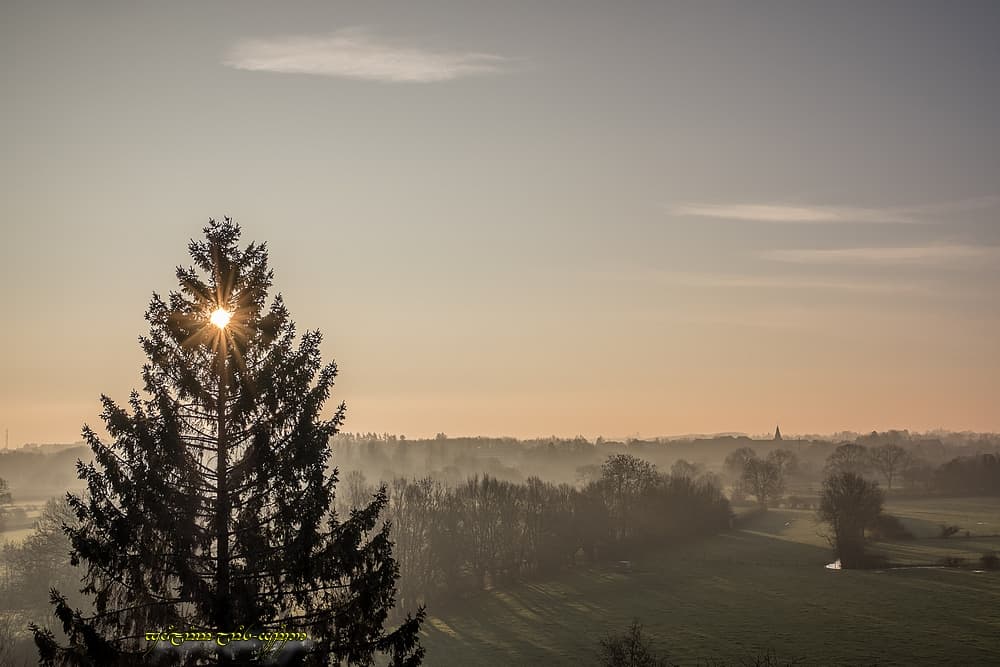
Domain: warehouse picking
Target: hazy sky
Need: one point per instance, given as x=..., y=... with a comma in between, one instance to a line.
x=521, y=218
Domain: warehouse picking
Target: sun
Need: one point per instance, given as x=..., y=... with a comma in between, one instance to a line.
x=220, y=317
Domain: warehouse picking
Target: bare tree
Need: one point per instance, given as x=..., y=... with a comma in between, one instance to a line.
x=357, y=491
x=682, y=468
x=763, y=480
x=848, y=457
x=629, y=649
x=786, y=461
x=737, y=459
x=624, y=479
x=889, y=460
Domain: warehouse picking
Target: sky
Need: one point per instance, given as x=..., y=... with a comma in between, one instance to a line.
x=521, y=218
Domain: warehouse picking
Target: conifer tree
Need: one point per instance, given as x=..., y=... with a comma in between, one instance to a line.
x=211, y=507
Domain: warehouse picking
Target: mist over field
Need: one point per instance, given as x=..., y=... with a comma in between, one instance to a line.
x=553, y=549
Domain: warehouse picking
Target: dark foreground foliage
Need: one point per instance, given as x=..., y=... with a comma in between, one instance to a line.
x=631, y=649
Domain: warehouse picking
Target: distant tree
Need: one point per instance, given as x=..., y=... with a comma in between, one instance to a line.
x=629, y=649
x=5, y=499
x=889, y=460
x=918, y=475
x=210, y=508
x=969, y=476
x=735, y=462
x=848, y=457
x=588, y=473
x=624, y=480
x=682, y=468
x=547, y=541
x=41, y=561
x=850, y=504
x=763, y=480
x=786, y=462
x=591, y=520
x=712, y=479
x=356, y=491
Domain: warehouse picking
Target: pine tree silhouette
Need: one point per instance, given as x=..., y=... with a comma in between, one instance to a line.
x=211, y=508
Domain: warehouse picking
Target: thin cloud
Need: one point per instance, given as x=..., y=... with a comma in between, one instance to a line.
x=796, y=283
x=796, y=214
x=932, y=254
x=356, y=54
x=751, y=282
x=782, y=213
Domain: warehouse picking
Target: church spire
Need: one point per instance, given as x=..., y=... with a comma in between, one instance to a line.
x=777, y=433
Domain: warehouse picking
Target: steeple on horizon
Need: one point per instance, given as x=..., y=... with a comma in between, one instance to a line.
x=777, y=433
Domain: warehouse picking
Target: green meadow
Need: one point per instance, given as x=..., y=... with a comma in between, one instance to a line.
x=761, y=587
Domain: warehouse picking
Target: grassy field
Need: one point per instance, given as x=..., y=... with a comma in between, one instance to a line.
x=757, y=588
x=15, y=536
x=20, y=528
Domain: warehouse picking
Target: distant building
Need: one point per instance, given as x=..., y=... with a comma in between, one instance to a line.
x=50, y=448
x=777, y=433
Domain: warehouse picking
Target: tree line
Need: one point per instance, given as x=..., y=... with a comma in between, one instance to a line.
x=578, y=460
x=451, y=541
x=972, y=475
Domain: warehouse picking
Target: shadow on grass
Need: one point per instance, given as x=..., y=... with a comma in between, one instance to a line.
x=728, y=596
x=560, y=621
x=921, y=528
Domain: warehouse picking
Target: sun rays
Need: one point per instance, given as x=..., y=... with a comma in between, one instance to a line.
x=220, y=317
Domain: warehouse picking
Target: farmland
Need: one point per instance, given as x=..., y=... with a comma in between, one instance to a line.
x=760, y=587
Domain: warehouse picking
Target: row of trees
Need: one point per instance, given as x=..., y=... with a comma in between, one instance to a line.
x=895, y=466
x=888, y=461
x=573, y=460
x=764, y=479
x=455, y=540
x=451, y=541
x=969, y=476
x=962, y=476
x=767, y=477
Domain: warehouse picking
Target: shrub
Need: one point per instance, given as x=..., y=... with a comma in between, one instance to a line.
x=948, y=531
x=888, y=527
x=990, y=561
x=629, y=649
x=765, y=659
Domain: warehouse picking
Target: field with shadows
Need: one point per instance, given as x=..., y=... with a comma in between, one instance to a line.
x=760, y=587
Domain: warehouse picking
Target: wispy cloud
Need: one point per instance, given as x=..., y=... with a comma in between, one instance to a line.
x=783, y=213
x=355, y=53
x=799, y=214
x=798, y=283
x=930, y=254
x=761, y=282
